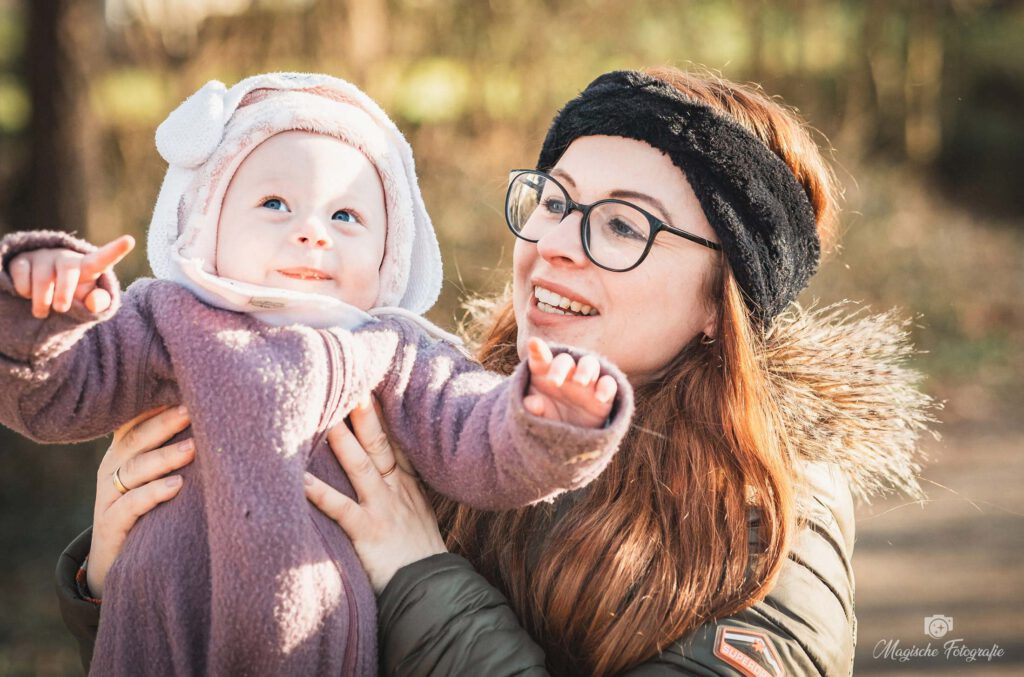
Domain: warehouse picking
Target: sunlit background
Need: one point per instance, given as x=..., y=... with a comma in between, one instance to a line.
x=921, y=102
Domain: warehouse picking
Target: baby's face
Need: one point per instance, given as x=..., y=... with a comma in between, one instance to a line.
x=305, y=212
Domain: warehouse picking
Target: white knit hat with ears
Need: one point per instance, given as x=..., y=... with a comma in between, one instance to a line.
x=209, y=135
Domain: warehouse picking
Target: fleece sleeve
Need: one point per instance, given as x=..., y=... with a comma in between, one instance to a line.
x=469, y=436
x=77, y=375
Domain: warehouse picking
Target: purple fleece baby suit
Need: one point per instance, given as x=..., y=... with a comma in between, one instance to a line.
x=240, y=574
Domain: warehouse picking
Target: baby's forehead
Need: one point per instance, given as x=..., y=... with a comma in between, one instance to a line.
x=286, y=153
x=306, y=163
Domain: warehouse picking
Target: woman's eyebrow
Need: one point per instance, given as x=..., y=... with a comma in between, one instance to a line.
x=562, y=174
x=632, y=194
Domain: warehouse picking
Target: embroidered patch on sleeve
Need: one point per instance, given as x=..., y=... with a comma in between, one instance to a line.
x=749, y=651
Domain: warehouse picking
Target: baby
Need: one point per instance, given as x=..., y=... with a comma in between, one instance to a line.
x=293, y=258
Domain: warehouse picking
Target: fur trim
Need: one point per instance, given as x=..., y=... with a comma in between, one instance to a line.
x=848, y=396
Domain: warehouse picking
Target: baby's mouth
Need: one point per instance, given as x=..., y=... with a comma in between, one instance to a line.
x=305, y=274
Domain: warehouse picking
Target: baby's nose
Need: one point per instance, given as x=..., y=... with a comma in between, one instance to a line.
x=312, y=234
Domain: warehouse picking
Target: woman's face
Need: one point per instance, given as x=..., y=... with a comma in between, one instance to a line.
x=641, y=318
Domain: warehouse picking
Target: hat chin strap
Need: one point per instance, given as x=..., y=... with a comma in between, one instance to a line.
x=272, y=305
x=282, y=307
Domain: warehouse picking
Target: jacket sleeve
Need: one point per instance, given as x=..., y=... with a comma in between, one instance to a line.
x=77, y=375
x=438, y=616
x=469, y=436
x=81, y=616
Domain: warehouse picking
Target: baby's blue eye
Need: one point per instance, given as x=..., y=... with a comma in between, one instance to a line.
x=276, y=204
x=345, y=215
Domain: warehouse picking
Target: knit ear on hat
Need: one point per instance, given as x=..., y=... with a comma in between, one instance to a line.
x=193, y=131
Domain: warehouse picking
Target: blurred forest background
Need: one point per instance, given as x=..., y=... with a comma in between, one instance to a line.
x=921, y=101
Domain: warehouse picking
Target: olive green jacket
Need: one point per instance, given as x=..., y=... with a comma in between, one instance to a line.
x=854, y=414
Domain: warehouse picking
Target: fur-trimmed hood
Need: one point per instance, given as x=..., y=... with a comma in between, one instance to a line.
x=848, y=397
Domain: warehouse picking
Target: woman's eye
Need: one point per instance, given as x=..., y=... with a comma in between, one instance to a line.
x=554, y=206
x=624, y=229
x=345, y=215
x=274, y=203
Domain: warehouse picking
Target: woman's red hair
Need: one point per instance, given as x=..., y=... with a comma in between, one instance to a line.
x=692, y=519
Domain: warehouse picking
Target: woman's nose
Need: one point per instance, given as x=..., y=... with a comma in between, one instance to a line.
x=562, y=243
x=311, y=233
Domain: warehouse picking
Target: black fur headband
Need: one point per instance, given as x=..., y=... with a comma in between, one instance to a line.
x=753, y=201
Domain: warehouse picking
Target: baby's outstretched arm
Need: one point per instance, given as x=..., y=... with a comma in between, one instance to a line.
x=562, y=389
x=77, y=358
x=53, y=278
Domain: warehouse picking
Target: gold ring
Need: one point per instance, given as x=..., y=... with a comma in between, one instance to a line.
x=393, y=468
x=118, y=484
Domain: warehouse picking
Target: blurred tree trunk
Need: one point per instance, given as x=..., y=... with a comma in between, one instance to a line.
x=367, y=36
x=59, y=54
x=923, y=81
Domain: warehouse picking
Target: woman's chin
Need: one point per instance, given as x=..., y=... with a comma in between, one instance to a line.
x=575, y=330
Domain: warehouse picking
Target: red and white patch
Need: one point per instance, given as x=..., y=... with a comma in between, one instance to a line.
x=749, y=651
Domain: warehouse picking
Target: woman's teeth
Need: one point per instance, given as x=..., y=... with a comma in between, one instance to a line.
x=550, y=302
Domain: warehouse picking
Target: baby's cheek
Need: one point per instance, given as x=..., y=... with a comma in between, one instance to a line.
x=361, y=288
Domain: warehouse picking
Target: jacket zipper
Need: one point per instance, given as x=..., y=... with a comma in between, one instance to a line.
x=334, y=388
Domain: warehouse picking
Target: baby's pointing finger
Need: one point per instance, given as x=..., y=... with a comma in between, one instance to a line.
x=104, y=258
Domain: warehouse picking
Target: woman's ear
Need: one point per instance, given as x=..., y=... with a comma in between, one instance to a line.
x=710, y=329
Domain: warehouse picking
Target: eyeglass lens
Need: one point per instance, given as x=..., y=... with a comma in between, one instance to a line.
x=615, y=233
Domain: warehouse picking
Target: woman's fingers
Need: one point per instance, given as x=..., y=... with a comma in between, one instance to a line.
x=150, y=465
x=336, y=505
x=369, y=431
x=111, y=527
x=361, y=471
x=127, y=509
x=148, y=430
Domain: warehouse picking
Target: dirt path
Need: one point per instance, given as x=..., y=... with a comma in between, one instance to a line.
x=960, y=555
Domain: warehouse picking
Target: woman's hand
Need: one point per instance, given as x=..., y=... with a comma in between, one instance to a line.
x=141, y=465
x=392, y=524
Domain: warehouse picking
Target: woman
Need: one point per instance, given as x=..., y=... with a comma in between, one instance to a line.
x=671, y=221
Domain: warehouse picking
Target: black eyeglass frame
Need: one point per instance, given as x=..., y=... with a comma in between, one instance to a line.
x=656, y=224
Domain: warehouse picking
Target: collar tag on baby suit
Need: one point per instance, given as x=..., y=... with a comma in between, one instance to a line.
x=265, y=304
x=749, y=651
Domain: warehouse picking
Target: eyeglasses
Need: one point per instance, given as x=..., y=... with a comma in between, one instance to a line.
x=616, y=235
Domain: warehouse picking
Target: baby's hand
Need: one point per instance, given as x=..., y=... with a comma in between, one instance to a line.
x=565, y=390
x=52, y=278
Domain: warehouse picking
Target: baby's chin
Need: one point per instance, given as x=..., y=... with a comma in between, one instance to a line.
x=358, y=299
